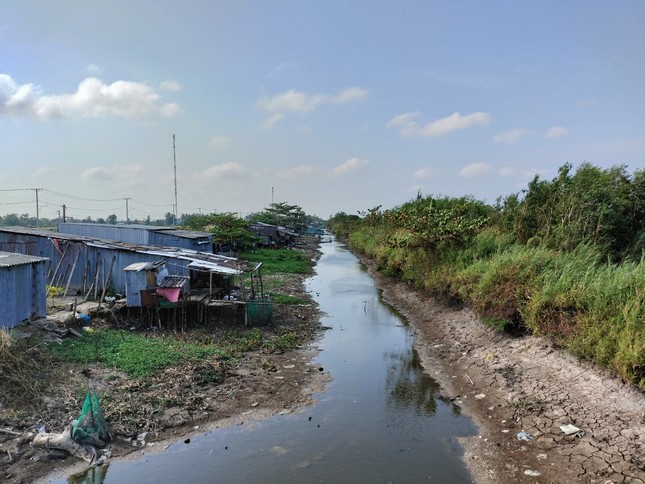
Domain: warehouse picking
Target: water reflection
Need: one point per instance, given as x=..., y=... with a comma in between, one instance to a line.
x=381, y=419
x=410, y=386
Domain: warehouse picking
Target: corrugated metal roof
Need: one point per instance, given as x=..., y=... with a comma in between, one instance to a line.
x=174, y=281
x=144, y=266
x=207, y=261
x=11, y=259
x=186, y=234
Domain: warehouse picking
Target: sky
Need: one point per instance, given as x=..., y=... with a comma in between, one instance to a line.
x=335, y=106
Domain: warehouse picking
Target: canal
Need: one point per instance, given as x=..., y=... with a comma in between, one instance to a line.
x=380, y=420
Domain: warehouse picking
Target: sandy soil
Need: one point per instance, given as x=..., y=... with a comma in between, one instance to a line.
x=511, y=385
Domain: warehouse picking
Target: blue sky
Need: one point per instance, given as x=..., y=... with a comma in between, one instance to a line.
x=334, y=106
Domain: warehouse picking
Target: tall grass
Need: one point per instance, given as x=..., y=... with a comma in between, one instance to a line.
x=581, y=301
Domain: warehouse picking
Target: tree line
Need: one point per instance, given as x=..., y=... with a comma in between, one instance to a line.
x=562, y=258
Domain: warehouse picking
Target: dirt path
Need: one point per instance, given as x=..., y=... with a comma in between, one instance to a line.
x=512, y=385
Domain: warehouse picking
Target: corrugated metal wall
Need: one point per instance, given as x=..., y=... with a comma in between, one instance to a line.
x=23, y=293
x=132, y=235
x=136, y=235
x=169, y=240
x=83, y=261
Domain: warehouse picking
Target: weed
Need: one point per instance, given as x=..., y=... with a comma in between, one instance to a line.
x=285, y=299
x=280, y=260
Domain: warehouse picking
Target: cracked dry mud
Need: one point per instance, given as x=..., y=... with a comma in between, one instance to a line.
x=523, y=384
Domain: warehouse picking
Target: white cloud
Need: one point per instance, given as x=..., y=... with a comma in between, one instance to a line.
x=96, y=173
x=348, y=166
x=350, y=95
x=511, y=136
x=507, y=171
x=556, y=132
x=93, y=98
x=299, y=102
x=225, y=171
x=409, y=126
x=272, y=121
x=170, y=86
x=44, y=171
x=476, y=169
x=298, y=171
x=94, y=69
x=121, y=176
x=279, y=68
x=422, y=173
x=220, y=141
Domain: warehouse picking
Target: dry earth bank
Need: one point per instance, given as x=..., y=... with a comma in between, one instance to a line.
x=520, y=390
x=148, y=414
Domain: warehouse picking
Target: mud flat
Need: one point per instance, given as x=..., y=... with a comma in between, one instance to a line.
x=520, y=390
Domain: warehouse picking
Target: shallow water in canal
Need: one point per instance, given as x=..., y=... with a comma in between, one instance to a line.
x=379, y=420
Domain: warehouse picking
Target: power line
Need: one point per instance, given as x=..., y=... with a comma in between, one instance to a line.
x=84, y=198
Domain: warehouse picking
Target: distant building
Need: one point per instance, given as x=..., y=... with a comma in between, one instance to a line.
x=84, y=264
x=142, y=234
x=23, y=291
x=273, y=235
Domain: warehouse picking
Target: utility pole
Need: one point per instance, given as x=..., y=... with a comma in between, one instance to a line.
x=127, y=212
x=37, y=207
x=174, y=158
x=64, y=213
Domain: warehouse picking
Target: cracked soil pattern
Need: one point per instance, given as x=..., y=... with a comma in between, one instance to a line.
x=523, y=384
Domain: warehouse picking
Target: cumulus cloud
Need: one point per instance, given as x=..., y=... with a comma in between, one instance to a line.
x=121, y=176
x=298, y=171
x=407, y=123
x=348, y=166
x=350, y=95
x=272, y=121
x=556, y=132
x=225, y=171
x=422, y=173
x=476, y=169
x=220, y=141
x=170, y=86
x=94, y=69
x=507, y=171
x=511, y=136
x=299, y=102
x=96, y=173
x=93, y=98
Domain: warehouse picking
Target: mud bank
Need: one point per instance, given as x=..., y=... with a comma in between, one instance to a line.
x=523, y=385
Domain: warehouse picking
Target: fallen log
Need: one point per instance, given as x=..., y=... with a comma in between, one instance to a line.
x=64, y=441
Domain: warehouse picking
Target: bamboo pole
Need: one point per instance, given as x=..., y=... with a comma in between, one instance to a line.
x=51, y=282
x=71, y=273
x=107, y=278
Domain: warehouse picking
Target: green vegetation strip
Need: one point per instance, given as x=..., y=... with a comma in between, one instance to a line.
x=565, y=259
x=280, y=260
x=137, y=355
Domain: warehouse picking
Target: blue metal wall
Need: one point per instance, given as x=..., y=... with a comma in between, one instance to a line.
x=89, y=257
x=122, y=233
x=23, y=293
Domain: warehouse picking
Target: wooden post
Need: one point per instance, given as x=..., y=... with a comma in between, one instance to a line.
x=53, y=279
x=107, y=278
x=71, y=273
x=97, y=270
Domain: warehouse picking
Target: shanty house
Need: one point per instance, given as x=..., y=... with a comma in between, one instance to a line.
x=85, y=264
x=23, y=292
x=273, y=235
x=142, y=234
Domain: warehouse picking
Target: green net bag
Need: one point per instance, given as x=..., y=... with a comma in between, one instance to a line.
x=91, y=426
